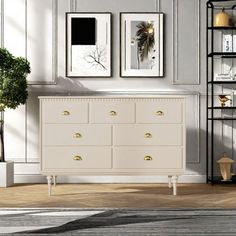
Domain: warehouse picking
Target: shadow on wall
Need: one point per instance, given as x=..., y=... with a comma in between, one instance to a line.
x=68, y=86
x=64, y=86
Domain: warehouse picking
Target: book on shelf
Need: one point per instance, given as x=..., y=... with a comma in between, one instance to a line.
x=234, y=43
x=223, y=77
x=227, y=43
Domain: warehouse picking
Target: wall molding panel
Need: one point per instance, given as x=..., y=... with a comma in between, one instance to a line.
x=1, y=21
x=14, y=37
x=73, y=7
x=157, y=5
x=31, y=27
x=181, y=71
x=35, y=29
x=15, y=134
x=42, y=41
x=194, y=130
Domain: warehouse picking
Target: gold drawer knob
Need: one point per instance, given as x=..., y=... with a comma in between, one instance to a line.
x=113, y=113
x=77, y=135
x=147, y=158
x=160, y=113
x=65, y=113
x=77, y=158
x=148, y=135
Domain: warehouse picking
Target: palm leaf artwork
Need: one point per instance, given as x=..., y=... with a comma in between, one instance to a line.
x=145, y=39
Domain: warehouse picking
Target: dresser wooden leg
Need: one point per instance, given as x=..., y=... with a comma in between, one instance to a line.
x=49, y=178
x=174, y=181
x=54, y=180
x=169, y=181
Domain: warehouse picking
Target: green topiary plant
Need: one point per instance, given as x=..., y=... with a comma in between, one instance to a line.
x=13, y=86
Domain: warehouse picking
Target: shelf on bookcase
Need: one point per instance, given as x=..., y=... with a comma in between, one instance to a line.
x=222, y=54
x=219, y=118
x=222, y=108
x=222, y=28
x=222, y=82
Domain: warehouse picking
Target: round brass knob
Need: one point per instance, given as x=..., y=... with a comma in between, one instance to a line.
x=113, y=113
x=147, y=158
x=77, y=158
x=160, y=113
x=77, y=135
x=65, y=113
x=148, y=135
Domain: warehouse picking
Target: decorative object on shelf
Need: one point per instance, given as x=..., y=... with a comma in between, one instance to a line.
x=223, y=77
x=225, y=164
x=88, y=44
x=232, y=97
x=234, y=42
x=141, y=49
x=224, y=99
x=222, y=19
x=227, y=43
x=13, y=92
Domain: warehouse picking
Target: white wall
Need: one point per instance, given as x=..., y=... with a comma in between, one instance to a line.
x=36, y=29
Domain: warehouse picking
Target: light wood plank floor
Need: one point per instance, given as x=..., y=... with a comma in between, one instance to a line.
x=119, y=196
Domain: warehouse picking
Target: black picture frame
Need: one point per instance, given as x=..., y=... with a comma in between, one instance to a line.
x=129, y=41
x=91, y=58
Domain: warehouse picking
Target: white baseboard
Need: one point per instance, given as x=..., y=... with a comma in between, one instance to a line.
x=110, y=179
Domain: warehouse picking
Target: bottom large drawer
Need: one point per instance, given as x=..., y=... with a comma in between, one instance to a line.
x=76, y=158
x=148, y=158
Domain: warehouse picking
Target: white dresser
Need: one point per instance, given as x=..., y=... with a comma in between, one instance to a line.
x=113, y=135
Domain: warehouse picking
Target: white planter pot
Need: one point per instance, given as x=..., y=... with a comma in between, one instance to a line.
x=6, y=173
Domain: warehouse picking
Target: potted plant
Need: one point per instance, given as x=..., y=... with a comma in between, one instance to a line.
x=13, y=92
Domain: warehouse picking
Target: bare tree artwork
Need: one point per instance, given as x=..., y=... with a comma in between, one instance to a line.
x=97, y=57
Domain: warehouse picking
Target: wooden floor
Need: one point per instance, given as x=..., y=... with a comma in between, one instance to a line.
x=119, y=196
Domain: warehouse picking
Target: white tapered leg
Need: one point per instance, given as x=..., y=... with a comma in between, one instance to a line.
x=54, y=180
x=169, y=181
x=49, y=178
x=174, y=181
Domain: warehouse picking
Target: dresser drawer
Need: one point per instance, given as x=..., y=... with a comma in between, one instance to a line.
x=148, y=158
x=76, y=158
x=63, y=111
x=159, y=134
x=73, y=134
x=112, y=112
x=159, y=111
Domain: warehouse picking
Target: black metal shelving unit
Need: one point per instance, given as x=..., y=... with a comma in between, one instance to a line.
x=212, y=54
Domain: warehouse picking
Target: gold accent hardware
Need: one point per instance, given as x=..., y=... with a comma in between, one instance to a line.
x=160, y=113
x=113, y=113
x=77, y=158
x=77, y=135
x=147, y=158
x=65, y=113
x=148, y=135
x=223, y=99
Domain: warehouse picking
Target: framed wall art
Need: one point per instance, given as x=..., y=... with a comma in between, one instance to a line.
x=88, y=44
x=141, y=44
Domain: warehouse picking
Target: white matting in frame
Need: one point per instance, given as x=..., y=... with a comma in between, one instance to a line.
x=88, y=44
x=141, y=49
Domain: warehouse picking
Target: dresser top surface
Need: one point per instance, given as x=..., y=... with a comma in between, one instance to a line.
x=117, y=95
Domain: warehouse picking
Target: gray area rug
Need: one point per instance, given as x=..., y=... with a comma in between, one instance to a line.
x=117, y=222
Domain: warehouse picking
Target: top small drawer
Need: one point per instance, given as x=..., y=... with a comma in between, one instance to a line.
x=160, y=111
x=112, y=112
x=64, y=111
